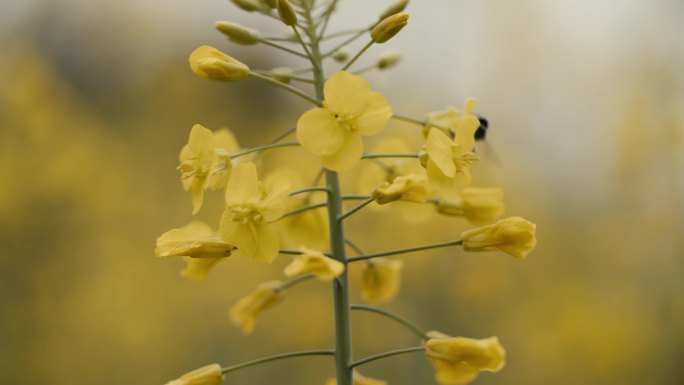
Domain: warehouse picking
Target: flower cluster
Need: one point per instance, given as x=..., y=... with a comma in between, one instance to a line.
x=265, y=210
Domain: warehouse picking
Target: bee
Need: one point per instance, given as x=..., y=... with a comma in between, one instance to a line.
x=481, y=133
x=481, y=136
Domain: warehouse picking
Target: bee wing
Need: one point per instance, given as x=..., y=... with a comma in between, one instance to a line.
x=488, y=151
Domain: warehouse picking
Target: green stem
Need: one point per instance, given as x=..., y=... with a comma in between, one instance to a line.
x=354, y=246
x=291, y=282
x=358, y=55
x=356, y=208
x=278, y=357
x=309, y=189
x=410, y=325
x=303, y=43
x=405, y=155
x=303, y=208
x=422, y=123
x=344, y=33
x=348, y=41
x=262, y=148
x=282, y=48
x=404, y=251
x=355, y=197
x=284, y=86
x=386, y=354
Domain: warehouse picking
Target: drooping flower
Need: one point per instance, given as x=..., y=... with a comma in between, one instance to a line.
x=207, y=375
x=478, y=205
x=448, y=161
x=410, y=187
x=205, y=162
x=358, y=379
x=514, y=235
x=196, y=240
x=350, y=110
x=245, y=312
x=316, y=263
x=250, y=208
x=459, y=360
x=208, y=62
x=381, y=279
x=198, y=268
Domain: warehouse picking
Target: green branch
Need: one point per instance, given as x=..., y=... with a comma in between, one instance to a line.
x=286, y=87
x=278, y=357
x=386, y=354
x=413, y=327
x=262, y=148
x=355, y=208
x=407, y=250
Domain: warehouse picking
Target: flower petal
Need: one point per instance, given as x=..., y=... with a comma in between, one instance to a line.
x=378, y=112
x=438, y=146
x=242, y=235
x=347, y=156
x=267, y=243
x=465, y=134
x=319, y=132
x=344, y=93
x=243, y=184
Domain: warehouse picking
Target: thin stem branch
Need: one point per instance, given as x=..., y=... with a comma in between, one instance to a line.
x=295, y=78
x=404, y=251
x=262, y=148
x=386, y=354
x=304, y=208
x=284, y=135
x=344, y=33
x=289, y=252
x=278, y=357
x=404, y=155
x=422, y=123
x=303, y=43
x=410, y=325
x=358, y=55
x=287, y=87
x=282, y=48
x=355, y=209
x=291, y=282
x=355, y=197
x=366, y=69
x=309, y=189
x=353, y=245
x=348, y=41
x=326, y=18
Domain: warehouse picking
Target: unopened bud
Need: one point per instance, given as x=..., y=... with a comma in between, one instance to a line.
x=270, y=3
x=395, y=8
x=342, y=54
x=210, y=63
x=388, y=59
x=237, y=33
x=207, y=375
x=249, y=5
x=388, y=27
x=282, y=74
x=287, y=12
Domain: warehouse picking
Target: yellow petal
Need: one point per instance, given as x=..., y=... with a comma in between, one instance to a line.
x=240, y=234
x=224, y=138
x=243, y=185
x=439, y=148
x=376, y=115
x=314, y=262
x=514, y=235
x=465, y=134
x=345, y=93
x=207, y=375
x=267, y=243
x=198, y=268
x=347, y=156
x=276, y=201
x=245, y=312
x=446, y=187
x=381, y=279
x=319, y=133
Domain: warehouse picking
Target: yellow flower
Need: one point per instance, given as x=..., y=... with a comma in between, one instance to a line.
x=513, y=235
x=458, y=360
x=350, y=110
x=448, y=161
x=411, y=187
x=314, y=262
x=381, y=279
x=250, y=207
x=479, y=205
x=207, y=375
x=450, y=119
x=245, y=312
x=210, y=63
x=198, y=268
x=205, y=162
x=359, y=379
x=196, y=240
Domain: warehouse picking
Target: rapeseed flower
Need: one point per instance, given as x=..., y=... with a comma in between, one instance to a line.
x=411, y=187
x=205, y=162
x=250, y=208
x=350, y=110
x=514, y=235
x=207, y=375
x=245, y=312
x=196, y=240
x=459, y=360
x=478, y=205
x=316, y=263
x=450, y=119
x=381, y=279
x=208, y=62
x=449, y=160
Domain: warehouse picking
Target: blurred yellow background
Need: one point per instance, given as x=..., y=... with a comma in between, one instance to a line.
x=585, y=101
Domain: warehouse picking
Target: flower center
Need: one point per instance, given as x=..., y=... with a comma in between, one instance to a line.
x=346, y=121
x=245, y=214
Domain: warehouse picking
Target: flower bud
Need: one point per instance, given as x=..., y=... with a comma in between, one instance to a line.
x=411, y=187
x=388, y=27
x=459, y=360
x=237, y=33
x=207, y=375
x=395, y=8
x=249, y=5
x=342, y=54
x=196, y=240
x=210, y=63
x=479, y=205
x=316, y=263
x=381, y=280
x=245, y=312
x=287, y=12
x=282, y=74
x=513, y=235
x=270, y=3
x=388, y=59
